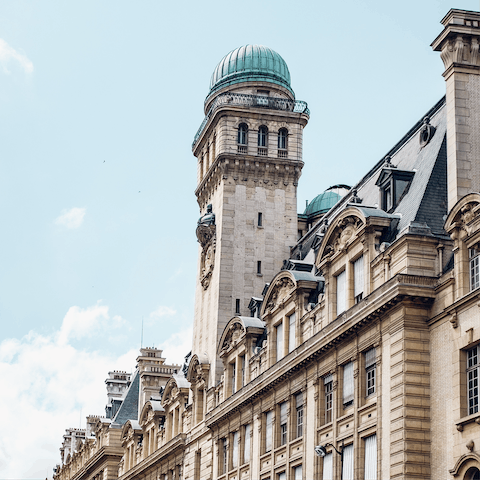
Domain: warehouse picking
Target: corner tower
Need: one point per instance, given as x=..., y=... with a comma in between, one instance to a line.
x=249, y=153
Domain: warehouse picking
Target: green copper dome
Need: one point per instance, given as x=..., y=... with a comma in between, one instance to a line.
x=322, y=203
x=250, y=63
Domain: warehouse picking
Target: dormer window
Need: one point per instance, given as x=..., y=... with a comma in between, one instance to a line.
x=394, y=185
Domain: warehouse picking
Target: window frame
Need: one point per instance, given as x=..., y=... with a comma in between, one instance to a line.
x=283, y=423
x=473, y=376
x=474, y=268
x=370, y=372
x=262, y=140
x=242, y=134
x=299, y=413
x=328, y=397
x=282, y=142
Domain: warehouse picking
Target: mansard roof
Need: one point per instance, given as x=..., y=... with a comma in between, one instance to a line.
x=422, y=208
x=129, y=408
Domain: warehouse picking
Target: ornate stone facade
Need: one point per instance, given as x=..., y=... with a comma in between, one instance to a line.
x=360, y=358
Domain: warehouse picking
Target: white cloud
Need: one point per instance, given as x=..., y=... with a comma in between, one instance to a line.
x=177, y=346
x=79, y=323
x=8, y=53
x=162, y=311
x=72, y=218
x=51, y=384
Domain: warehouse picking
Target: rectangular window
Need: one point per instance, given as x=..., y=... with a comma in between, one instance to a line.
x=260, y=219
x=235, y=450
x=473, y=367
x=297, y=473
x=259, y=267
x=282, y=476
x=237, y=306
x=347, y=473
x=279, y=332
x=370, y=370
x=328, y=467
x=283, y=423
x=474, y=255
x=328, y=385
x=234, y=377
x=371, y=458
x=348, y=384
x=358, y=279
x=299, y=412
x=341, y=292
x=242, y=363
x=246, y=445
x=224, y=455
x=268, y=431
x=291, y=333
x=198, y=460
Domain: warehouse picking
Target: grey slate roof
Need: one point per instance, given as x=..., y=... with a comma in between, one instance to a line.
x=251, y=322
x=422, y=208
x=129, y=408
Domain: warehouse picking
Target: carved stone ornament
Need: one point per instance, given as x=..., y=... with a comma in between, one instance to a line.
x=206, y=236
x=347, y=228
x=234, y=333
x=282, y=288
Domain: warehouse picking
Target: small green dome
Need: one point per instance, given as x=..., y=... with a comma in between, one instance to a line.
x=322, y=203
x=250, y=63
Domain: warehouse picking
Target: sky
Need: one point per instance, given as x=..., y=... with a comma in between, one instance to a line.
x=99, y=104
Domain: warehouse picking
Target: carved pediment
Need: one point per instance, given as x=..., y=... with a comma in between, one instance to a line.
x=464, y=218
x=281, y=289
x=234, y=333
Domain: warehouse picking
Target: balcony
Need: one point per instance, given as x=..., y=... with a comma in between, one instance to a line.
x=252, y=101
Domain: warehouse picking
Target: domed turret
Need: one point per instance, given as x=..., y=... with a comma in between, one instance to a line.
x=249, y=64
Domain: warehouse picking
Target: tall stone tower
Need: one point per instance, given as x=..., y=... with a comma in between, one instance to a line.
x=458, y=45
x=249, y=152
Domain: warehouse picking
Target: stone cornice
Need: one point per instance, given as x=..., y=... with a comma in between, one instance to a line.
x=243, y=168
x=171, y=448
x=103, y=455
x=397, y=289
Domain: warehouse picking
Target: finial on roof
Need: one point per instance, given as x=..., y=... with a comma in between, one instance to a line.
x=388, y=162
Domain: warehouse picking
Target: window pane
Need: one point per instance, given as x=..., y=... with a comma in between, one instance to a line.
x=328, y=399
x=348, y=383
x=291, y=333
x=282, y=476
x=279, y=341
x=283, y=412
x=297, y=473
x=328, y=467
x=348, y=463
x=474, y=268
x=283, y=423
x=358, y=279
x=371, y=458
x=268, y=432
x=235, y=450
x=246, y=452
x=341, y=293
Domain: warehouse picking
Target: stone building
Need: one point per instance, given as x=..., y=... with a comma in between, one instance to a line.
x=339, y=343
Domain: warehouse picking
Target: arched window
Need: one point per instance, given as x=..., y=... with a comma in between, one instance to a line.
x=262, y=136
x=282, y=139
x=242, y=134
x=472, y=474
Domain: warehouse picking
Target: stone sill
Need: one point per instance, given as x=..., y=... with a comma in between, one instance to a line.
x=475, y=417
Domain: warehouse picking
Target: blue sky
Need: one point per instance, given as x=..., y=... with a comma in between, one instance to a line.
x=99, y=104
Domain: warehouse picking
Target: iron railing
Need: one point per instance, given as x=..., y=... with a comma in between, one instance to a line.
x=252, y=101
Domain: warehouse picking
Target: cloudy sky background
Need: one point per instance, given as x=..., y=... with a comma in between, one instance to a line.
x=99, y=104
